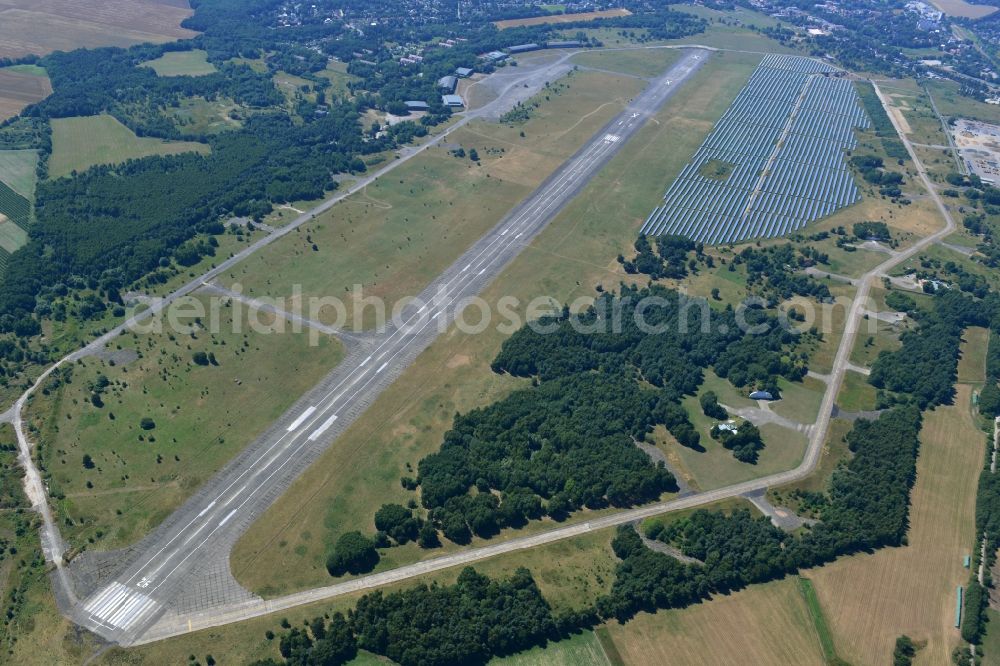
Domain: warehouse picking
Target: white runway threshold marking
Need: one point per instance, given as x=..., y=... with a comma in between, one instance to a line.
x=119, y=606
x=323, y=428
x=302, y=417
x=611, y=138
x=210, y=505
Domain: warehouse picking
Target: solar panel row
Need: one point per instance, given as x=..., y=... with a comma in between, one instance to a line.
x=773, y=163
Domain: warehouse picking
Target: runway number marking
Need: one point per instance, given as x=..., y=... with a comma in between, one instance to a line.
x=611, y=138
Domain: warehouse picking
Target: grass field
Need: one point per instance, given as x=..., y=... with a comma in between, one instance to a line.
x=575, y=253
x=716, y=467
x=82, y=142
x=561, y=18
x=336, y=73
x=203, y=415
x=952, y=104
x=43, y=26
x=197, y=115
x=583, y=649
x=819, y=620
x=834, y=451
x=18, y=89
x=12, y=236
x=182, y=63
x=400, y=232
x=963, y=9
x=17, y=171
x=800, y=401
x=646, y=62
x=869, y=600
x=874, y=337
x=972, y=364
x=856, y=394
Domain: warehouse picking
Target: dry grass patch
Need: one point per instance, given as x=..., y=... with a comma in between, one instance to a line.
x=871, y=599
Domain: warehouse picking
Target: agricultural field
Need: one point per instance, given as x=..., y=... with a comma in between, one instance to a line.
x=114, y=474
x=17, y=171
x=18, y=89
x=12, y=236
x=43, y=26
x=763, y=624
x=765, y=193
x=82, y=142
x=568, y=260
x=963, y=9
x=583, y=649
x=869, y=600
x=182, y=63
x=400, y=232
x=562, y=18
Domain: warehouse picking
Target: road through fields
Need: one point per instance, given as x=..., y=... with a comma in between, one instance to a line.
x=180, y=571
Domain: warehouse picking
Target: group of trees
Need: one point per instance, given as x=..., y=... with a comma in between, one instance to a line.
x=772, y=272
x=881, y=124
x=873, y=171
x=469, y=622
x=866, y=508
x=745, y=442
x=672, y=258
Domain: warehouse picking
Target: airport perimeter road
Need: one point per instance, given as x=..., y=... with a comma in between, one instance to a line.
x=176, y=624
x=509, y=90
x=181, y=570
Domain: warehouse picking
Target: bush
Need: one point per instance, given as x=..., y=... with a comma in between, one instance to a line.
x=353, y=553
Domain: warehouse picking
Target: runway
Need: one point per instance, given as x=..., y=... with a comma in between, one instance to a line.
x=182, y=566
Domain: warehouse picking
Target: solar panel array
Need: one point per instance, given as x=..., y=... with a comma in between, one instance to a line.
x=784, y=138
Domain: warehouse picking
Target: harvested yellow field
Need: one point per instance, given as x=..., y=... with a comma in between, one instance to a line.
x=562, y=18
x=763, y=624
x=869, y=600
x=963, y=9
x=43, y=26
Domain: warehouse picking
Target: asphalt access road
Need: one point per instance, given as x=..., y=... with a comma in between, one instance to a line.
x=182, y=566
